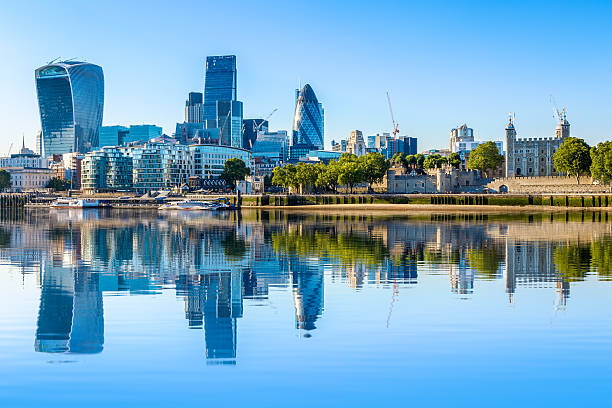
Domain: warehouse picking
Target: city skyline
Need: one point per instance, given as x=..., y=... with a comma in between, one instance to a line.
x=435, y=84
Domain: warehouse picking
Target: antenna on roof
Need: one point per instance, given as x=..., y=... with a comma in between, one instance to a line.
x=52, y=61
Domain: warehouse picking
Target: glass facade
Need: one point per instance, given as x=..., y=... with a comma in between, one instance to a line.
x=229, y=121
x=273, y=146
x=308, y=120
x=142, y=133
x=112, y=135
x=220, y=83
x=249, y=136
x=71, y=102
x=209, y=160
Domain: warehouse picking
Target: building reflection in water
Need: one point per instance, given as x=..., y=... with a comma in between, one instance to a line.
x=216, y=263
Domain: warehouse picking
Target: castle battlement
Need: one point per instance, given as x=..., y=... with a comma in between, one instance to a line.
x=536, y=139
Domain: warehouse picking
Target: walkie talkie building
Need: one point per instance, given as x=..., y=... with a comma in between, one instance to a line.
x=71, y=101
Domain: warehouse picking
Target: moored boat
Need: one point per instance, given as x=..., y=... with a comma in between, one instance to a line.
x=190, y=205
x=75, y=203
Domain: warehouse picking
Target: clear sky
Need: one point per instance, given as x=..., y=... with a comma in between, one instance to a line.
x=444, y=63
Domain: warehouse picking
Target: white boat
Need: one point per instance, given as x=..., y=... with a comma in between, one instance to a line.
x=190, y=205
x=75, y=203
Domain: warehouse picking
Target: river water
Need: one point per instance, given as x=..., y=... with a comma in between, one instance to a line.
x=275, y=309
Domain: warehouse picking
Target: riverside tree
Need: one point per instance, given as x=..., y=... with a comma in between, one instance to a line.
x=306, y=175
x=5, y=180
x=454, y=160
x=601, y=162
x=485, y=158
x=434, y=161
x=234, y=170
x=573, y=158
x=374, y=167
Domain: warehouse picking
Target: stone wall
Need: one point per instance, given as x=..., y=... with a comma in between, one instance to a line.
x=547, y=185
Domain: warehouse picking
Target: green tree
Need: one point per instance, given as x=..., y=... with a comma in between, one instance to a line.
x=279, y=177
x=234, y=170
x=328, y=177
x=485, y=158
x=58, y=184
x=434, y=161
x=601, y=162
x=306, y=175
x=419, y=159
x=573, y=157
x=374, y=167
x=5, y=180
x=351, y=173
x=454, y=160
x=399, y=159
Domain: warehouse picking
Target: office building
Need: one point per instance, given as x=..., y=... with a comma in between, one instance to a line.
x=251, y=128
x=387, y=146
x=355, y=144
x=308, y=123
x=160, y=165
x=339, y=146
x=229, y=122
x=220, y=84
x=113, y=136
x=209, y=160
x=70, y=101
x=107, y=169
x=462, y=142
x=25, y=158
x=272, y=145
x=194, y=108
x=142, y=133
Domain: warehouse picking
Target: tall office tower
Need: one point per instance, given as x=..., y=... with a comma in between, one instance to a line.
x=194, y=108
x=70, y=100
x=251, y=128
x=229, y=122
x=220, y=84
x=308, y=119
x=461, y=134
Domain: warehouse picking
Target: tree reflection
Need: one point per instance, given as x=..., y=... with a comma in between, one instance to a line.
x=573, y=261
x=486, y=261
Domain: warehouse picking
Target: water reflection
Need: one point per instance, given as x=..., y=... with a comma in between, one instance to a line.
x=217, y=262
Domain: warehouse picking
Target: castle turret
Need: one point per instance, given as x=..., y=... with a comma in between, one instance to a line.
x=510, y=139
x=563, y=128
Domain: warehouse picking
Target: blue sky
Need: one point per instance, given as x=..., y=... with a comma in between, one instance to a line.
x=444, y=63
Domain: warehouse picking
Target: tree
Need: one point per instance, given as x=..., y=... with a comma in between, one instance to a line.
x=420, y=159
x=573, y=157
x=306, y=175
x=374, y=167
x=58, y=184
x=328, y=177
x=434, y=161
x=234, y=170
x=5, y=180
x=454, y=160
x=486, y=261
x=485, y=157
x=279, y=177
x=400, y=159
x=601, y=162
x=351, y=173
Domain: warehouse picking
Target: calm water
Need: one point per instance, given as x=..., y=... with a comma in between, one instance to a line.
x=286, y=309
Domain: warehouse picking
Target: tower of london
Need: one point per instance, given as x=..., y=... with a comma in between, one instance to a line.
x=533, y=157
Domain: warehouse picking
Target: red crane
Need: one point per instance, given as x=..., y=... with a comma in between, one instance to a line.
x=395, y=124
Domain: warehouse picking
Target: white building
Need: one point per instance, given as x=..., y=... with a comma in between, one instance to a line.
x=24, y=178
x=462, y=142
x=209, y=160
x=355, y=144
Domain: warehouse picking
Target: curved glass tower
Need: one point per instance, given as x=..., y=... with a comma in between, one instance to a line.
x=70, y=100
x=308, y=119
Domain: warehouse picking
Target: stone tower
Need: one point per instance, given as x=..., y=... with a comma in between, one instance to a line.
x=563, y=128
x=510, y=140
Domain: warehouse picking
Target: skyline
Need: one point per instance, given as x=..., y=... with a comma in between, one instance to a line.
x=149, y=71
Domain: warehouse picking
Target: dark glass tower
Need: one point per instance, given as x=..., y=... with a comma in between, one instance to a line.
x=220, y=83
x=308, y=120
x=71, y=101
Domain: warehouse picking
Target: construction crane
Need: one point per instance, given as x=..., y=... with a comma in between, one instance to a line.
x=10, y=149
x=560, y=116
x=395, y=124
x=258, y=127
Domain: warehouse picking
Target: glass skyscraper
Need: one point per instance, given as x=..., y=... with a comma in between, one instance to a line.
x=71, y=101
x=220, y=83
x=308, y=120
